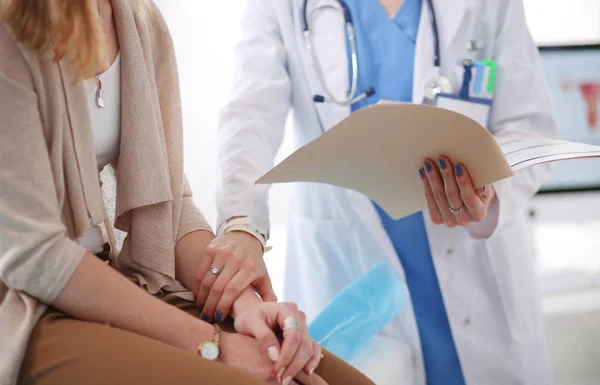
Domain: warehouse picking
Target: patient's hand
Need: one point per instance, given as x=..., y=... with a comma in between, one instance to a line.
x=298, y=355
x=243, y=352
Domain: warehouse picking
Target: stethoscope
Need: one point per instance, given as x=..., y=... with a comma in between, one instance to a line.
x=436, y=84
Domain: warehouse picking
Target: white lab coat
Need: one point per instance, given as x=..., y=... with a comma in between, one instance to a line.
x=485, y=271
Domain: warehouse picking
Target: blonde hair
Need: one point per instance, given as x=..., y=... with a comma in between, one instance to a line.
x=65, y=28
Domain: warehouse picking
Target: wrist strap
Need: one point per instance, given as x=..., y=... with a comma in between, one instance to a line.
x=217, y=336
x=246, y=229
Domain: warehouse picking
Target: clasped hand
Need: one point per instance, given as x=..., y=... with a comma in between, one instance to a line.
x=258, y=350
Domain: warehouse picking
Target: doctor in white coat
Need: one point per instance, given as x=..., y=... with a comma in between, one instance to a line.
x=483, y=263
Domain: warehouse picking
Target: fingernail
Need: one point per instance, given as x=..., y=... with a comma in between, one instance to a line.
x=279, y=374
x=287, y=380
x=204, y=317
x=427, y=166
x=310, y=373
x=459, y=170
x=442, y=163
x=218, y=316
x=273, y=353
x=421, y=173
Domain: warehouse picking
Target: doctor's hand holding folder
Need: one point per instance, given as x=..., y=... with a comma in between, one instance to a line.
x=379, y=151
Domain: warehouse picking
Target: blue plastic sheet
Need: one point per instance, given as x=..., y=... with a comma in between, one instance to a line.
x=359, y=311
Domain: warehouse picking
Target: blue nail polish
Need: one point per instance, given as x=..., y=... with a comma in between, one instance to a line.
x=459, y=170
x=427, y=166
x=204, y=317
x=218, y=316
x=442, y=163
x=421, y=173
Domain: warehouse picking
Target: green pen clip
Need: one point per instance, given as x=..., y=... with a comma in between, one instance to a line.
x=492, y=76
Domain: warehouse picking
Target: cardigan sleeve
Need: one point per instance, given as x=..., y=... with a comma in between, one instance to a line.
x=191, y=217
x=36, y=254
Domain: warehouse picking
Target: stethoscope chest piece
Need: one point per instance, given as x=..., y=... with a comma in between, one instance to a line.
x=435, y=85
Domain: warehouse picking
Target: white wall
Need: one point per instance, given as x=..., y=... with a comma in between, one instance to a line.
x=555, y=22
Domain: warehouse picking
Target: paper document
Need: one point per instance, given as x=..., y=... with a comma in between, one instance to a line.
x=522, y=152
x=378, y=151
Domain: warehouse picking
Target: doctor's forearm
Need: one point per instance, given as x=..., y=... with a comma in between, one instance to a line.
x=188, y=253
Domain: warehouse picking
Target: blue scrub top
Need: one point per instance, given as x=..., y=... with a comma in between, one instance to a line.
x=386, y=54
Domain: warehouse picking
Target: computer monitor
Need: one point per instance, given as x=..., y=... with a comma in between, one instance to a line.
x=573, y=77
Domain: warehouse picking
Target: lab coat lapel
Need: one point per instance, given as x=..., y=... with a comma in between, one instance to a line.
x=449, y=19
x=424, y=69
x=329, y=43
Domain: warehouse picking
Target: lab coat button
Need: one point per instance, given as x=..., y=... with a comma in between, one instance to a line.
x=467, y=321
x=449, y=251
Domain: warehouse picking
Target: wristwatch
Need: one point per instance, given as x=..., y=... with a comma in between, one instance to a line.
x=248, y=225
x=210, y=349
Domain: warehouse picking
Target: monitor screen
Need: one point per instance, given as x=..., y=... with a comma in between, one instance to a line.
x=573, y=76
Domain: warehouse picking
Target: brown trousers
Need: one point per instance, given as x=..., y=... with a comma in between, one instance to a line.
x=67, y=351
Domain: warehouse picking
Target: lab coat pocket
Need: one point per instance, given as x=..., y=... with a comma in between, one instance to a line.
x=510, y=259
x=322, y=259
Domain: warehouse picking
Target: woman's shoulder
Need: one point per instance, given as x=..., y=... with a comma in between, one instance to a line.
x=150, y=15
x=152, y=26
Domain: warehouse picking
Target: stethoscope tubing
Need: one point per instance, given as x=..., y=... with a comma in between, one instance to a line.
x=351, y=96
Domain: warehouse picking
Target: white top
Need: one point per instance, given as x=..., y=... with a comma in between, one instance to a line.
x=106, y=129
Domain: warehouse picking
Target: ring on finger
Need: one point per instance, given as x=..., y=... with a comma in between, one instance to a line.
x=214, y=270
x=291, y=322
x=456, y=211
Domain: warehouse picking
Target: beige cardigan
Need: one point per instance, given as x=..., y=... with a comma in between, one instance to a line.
x=49, y=190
